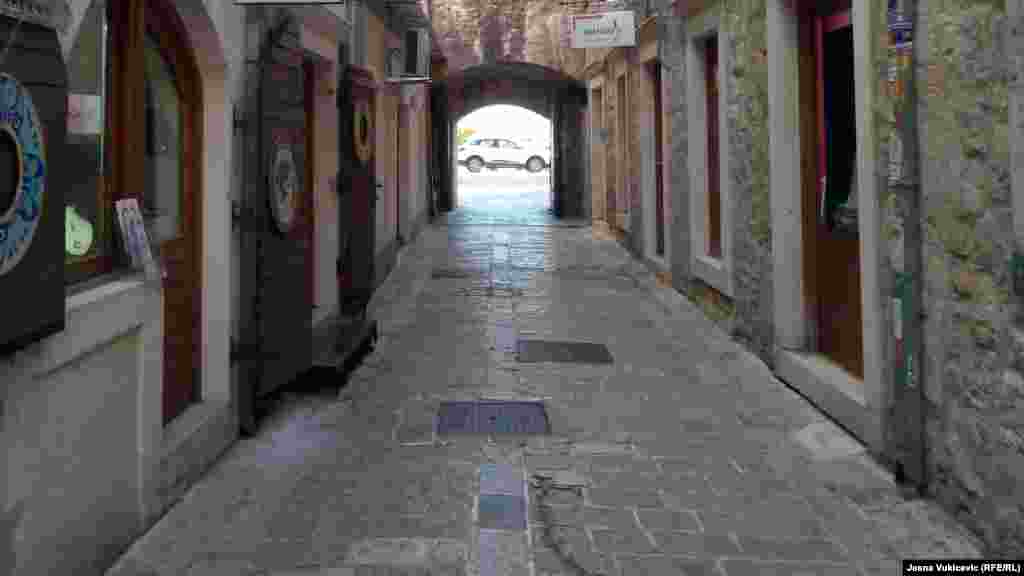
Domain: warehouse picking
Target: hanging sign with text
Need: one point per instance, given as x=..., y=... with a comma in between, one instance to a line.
x=606, y=30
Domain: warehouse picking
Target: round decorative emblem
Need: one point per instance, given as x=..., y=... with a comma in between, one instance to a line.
x=362, y=131
x=285, y=190
x=22, y=144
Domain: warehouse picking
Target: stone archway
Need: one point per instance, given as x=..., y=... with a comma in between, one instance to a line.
x=548, y=92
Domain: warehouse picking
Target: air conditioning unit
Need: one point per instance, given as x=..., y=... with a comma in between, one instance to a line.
x=417, y=53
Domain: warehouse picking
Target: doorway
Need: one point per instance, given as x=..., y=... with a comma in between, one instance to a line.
x=835, y=257
x=157, y=161
x=622, y=202
x=654, y=75
x=599, y=197
x=504, y=166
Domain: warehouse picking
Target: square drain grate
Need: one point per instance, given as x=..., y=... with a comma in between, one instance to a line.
x=530, y=351
x=493, y=417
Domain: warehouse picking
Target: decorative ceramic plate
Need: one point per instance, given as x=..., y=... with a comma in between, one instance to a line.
x=22, y=134
x=284, y=193
x=362, y=132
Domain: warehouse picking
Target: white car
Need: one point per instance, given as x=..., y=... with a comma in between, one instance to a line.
x=476, y=153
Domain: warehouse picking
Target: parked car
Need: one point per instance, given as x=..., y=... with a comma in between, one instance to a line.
x=478, y=153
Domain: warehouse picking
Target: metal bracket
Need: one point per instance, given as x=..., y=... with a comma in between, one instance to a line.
x=238, y=118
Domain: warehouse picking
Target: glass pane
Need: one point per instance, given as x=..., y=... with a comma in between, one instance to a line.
x=85, y=222
x=161, y=201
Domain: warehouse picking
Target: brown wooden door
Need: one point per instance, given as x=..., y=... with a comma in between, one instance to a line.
x=284, y=307
x=714, y=197
x=837, y=250
x=307, y=229
x=624, y=197
x=170, y=149
x=599, y=190
x=357, y=208
x=611, y=151
x=659, y=191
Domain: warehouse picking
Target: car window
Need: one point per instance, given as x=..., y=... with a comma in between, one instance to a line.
x=493, y=143
x=509, y=144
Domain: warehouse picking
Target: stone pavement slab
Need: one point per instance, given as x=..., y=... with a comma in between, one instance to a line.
x=683, y=456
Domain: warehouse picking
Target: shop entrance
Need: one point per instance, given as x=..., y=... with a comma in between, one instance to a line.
x=278, y=223
x=837, y=244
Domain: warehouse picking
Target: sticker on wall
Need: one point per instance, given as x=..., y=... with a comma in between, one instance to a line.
x=362, y=133
x=136, y=240
x=284, y=193
x=22, y=194
x=78, y=233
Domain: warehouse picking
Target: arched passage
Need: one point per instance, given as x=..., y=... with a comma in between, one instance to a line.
x=503, y=154
x=550, y=93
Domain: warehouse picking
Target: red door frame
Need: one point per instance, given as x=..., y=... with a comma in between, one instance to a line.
x=714, y=192
x=659, y=198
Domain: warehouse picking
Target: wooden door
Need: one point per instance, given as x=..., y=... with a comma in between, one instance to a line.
x=837, y=250
x=659, y=181
x=610, y=153
x=308, y=228
x=170, y=154
x=598, y=194
x=357, y=208
x=284, y=297
x=622, y=202
x=714, y=191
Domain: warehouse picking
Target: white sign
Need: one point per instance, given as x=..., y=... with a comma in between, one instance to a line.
x=604, y=30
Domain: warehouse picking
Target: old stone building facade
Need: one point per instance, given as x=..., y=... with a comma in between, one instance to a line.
x=886, y=293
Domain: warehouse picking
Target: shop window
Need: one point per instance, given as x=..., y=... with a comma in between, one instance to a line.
x=88, y=233
x=162, y=200
x=129, y=109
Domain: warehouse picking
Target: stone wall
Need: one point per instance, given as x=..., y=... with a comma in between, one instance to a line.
x=748, y=314
x=474, y=32
x=975, y=393
x=746, y=92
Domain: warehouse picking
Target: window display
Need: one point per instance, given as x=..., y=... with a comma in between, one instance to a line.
x=88, y=236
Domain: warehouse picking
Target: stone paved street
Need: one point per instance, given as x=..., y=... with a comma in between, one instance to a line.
x=683, y=456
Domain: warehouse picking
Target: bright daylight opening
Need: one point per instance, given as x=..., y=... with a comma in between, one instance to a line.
x=504, y=156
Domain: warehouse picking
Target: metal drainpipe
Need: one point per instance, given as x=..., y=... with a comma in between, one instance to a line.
x=908, y=187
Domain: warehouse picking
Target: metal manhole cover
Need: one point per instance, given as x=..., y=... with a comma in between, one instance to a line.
x=493, y=417
x=530, y=351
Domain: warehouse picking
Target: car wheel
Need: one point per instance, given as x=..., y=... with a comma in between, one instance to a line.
x=475, y=164
x=535, y=164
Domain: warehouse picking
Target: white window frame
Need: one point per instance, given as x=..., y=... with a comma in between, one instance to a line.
x=716, y=272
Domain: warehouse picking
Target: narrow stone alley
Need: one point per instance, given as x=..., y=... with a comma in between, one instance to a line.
x=682, y=455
